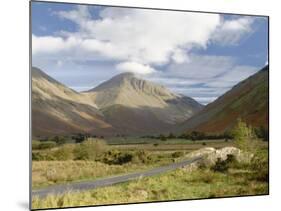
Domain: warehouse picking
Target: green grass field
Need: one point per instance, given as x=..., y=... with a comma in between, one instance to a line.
x=174, y=185
x=116, y=159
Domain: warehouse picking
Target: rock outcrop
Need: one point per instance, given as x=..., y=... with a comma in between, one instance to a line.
x=211, y=155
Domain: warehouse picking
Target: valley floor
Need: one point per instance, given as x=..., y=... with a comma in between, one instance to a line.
x=239, y=180
x=176, y=185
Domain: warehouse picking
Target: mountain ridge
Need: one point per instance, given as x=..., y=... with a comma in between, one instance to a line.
x=122, y=102
x=221, y=115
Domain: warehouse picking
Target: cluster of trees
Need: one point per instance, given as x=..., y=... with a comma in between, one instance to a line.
x=90, y=149
x=259, y=132
x=80, y=137
x=76, y=138
x=194, y=135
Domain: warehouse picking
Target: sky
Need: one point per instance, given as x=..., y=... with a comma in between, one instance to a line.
x=200, y=55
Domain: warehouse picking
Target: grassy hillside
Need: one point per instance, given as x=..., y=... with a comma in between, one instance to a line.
x=247, y=100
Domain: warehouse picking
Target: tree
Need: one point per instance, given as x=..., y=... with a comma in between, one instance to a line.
x=244, y=136
x=262, y=133
x=171, y=136
x=162, y=137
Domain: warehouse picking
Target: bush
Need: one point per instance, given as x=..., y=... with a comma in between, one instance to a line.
x=37, y=156
x=47, y=145
x=64, y=153
x=123, y=158
x=223, y=165
x=117, y=158
x=79, y=138
x=35, y=145
x=162, y=138
x=59, y=140
x=89, y=149
x=142, y=156
x=259, y=164
x=171, y=136
x=244, y=136
x=262, y=133
x=177, y=154
x=195, y=135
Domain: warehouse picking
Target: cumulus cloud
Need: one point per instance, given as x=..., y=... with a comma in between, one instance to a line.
x=230, y=32
x=135, y=68
x=49, y=44
x=155, y=44
x=132, y=35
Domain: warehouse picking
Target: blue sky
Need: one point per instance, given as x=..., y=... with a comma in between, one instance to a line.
x=196, y=54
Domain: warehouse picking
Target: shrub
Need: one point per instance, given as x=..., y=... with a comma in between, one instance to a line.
x=142, y=156
x=89, y=149
x=79, y=138
x=123, y=158
x=59, y=140
x=171, y=136
x=162, y=138
x=177, y=154
x=195, y=135
x=223, y=165
x=259, y=164
x=262, y=133
x=35, y=144
x=244, y=136
x=37, y=156
x=119, y=158
x=64, y=153
x=47, y=145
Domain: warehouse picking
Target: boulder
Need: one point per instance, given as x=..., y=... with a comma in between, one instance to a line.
x=211, y=155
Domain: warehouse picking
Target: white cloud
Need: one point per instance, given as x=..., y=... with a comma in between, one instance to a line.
x=52, y=45
x=230, y=32
x=132, y=35
x=135, y=68
x=79, y=15
x=145, y=42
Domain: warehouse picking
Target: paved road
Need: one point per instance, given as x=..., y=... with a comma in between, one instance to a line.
x=81, y=186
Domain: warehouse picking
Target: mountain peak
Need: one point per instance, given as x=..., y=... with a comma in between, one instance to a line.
x=116, y=81
x=126, y=75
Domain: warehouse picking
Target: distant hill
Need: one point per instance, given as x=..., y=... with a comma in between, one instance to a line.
x=247, y=100
x=124, y=104
x=57, y=109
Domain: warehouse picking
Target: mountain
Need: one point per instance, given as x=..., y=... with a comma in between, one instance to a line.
x=122, y=105
x=57, y=109
x=247, y=100
x=140, y=106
